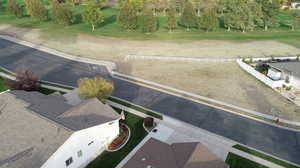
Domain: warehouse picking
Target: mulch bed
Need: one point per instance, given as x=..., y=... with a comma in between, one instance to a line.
x=124, y=133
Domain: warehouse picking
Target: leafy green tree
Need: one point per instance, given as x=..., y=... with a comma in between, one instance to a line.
x=179, y=5
x=188, y=17
x=242, y=14
x=270, y=11
x=230, y=16
x=295, y=20
x=171, y=19
x=209, y=19
x=29, y=6
x=93, y=16
x=148, y=20
x=14, y=8
x=128, y=16
x=36, y=9
x=197, y=4
x=74, y=2
x=62, y=14
x=95, y=87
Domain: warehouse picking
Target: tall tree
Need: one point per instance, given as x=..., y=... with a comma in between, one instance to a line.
x=295, y=19
x=14, y=8
x=93, y=16
x=171, y=19
x=230, y=16
x=128, y=16
x=179, y=5
x=188, y=17
x=242, y=14
x=36, y=9
x=209, y=19
x=197, y=4
x=29, y=6
x=270, y=11
x=148, y=21
x=62, y=14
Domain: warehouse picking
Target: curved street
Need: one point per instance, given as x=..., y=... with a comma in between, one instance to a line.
x=279, y=142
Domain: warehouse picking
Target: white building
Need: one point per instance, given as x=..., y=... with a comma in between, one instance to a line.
x=37, y=130
x=295, y=5
x=288, y=71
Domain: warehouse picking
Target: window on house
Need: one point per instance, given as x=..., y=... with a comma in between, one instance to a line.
x=69, y=161
x=79, y=153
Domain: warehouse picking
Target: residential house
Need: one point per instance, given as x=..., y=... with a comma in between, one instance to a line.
x=45, y=131
x=157, y=154
x=288, y=71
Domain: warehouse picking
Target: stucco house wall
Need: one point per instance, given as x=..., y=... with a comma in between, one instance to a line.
x=89, y=142
x=295, y=81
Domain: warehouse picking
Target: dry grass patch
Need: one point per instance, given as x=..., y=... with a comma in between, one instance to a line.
x=220, y=81
x=116, y=49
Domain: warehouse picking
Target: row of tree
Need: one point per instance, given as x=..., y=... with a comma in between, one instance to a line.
x=244, y=15
x=60, y=11
x=129, y=18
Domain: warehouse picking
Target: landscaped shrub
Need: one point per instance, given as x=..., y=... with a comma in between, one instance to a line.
x=62, y=14
x=26, y=80
x=95, y=87
x=262, y=68
x=13, y=8
x=148, y=122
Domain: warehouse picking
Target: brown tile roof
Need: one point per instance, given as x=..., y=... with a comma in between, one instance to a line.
x=157, y=154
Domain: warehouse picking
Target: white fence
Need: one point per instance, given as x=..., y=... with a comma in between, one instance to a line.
x=259, y=76
x=173, y=58
x=257, y=59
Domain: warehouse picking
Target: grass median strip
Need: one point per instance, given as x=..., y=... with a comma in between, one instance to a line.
x=135, y=107
x=3, y=86
x=265, y=156
x=236, y=161
x=57, y=85
x=112, y=159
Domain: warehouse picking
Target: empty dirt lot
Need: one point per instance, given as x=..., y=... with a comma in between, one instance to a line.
x=221, y=81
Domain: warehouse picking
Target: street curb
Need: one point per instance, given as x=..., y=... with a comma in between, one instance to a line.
x=111, y=67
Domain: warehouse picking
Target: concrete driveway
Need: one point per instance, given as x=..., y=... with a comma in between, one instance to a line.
x=276, y=141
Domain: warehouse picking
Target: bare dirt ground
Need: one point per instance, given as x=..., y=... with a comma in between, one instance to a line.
x=221, y=81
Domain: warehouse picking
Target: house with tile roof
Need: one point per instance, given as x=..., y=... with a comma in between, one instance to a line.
x=157, y=154
x=46, y=131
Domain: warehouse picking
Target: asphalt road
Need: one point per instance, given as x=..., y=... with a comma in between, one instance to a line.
x=276, y=141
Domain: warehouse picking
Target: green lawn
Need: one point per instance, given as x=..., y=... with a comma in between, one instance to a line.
x=235, y=161
x=112, y=159
x=110, y=28
x=265, y=156
x=3, y=86
x=135, y=107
